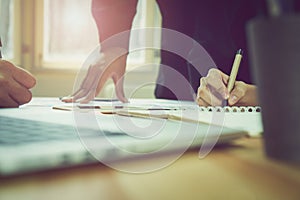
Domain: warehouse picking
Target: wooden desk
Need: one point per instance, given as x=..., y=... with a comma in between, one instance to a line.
x=240, y=171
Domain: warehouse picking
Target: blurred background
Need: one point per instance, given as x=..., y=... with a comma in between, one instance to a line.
x=52, y=38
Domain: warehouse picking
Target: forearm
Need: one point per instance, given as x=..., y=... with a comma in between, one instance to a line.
x=114, y=18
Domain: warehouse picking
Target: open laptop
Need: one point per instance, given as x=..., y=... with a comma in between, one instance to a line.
x=36, y=138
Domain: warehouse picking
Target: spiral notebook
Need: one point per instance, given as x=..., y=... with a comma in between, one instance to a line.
x=243, y=118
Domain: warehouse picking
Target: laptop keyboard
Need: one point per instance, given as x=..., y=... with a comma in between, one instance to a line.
x=18, y=131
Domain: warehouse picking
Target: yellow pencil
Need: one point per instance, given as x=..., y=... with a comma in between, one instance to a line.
x=234, y=70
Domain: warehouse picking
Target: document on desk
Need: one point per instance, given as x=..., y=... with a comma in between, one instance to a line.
x=243, y=118
x=134, y=105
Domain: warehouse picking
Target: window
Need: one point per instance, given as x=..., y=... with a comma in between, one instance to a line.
x=7, y=28
x=148, y=15
x=38, y=35
x=70, y=33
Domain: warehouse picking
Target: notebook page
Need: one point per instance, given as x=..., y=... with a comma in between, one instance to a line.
x=242, y=118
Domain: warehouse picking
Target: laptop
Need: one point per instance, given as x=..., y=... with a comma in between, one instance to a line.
x=36, y=137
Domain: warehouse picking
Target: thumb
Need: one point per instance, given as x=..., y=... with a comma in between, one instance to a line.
x=225, y=79
x=233, y=99
x=235, y=96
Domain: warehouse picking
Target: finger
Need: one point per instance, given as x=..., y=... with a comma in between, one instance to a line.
x=88, y=97
x=80, y=94
x=70, y=98
x=201, y=102
x=203, y=81
x=89, y=88
x=67, y=99
x=119, y=86
x=92, y=77
x=102, y=80
x=206, y=95
x=7, y=102
x=210, y=97
x=89, y=80
x=225, y=78
x=217, y=73
x=237, y=93
x=23, y=77
x=215, y=82
x=19, y=93
x=89, y=84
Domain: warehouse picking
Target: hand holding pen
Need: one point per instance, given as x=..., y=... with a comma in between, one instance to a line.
x=219, y=89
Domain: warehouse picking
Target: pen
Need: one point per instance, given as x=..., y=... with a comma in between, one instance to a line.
x=0, y=49
x=105, y=99
x=234, y=70
x=98, y=99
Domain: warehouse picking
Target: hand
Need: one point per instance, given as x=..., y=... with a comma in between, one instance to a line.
x=14, y=85
x=213, y=91
x=111, y=64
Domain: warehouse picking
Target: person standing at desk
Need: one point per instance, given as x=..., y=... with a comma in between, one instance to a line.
x=219, y=26
x=15, y=84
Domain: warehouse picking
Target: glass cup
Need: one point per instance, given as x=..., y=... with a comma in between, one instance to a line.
x=274, y=48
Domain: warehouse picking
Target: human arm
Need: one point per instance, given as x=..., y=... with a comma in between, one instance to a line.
x=113, y=19
x=15, y=84
x=213, y=91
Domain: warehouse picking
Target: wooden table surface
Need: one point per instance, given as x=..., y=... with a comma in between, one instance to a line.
x=238, y=171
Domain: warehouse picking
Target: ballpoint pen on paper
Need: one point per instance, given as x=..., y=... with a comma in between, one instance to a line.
x=234, y=70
